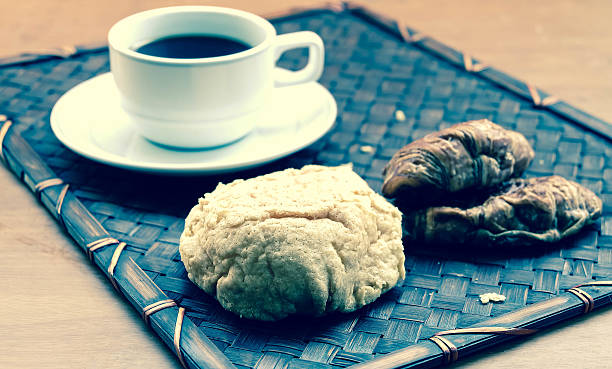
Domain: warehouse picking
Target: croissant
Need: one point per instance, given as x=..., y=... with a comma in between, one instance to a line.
x=475, y=154
x=524, y=211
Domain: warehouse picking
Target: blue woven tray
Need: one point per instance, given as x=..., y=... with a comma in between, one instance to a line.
x=373, y=69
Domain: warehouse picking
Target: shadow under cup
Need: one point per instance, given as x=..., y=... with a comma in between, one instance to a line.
x=193, y=102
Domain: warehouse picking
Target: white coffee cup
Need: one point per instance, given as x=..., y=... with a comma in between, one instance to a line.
x=202, y=102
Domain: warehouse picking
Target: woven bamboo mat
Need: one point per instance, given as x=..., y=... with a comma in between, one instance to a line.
x=373, y=70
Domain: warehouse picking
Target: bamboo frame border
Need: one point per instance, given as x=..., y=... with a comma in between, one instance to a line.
x=128, y=278
x=194, y=349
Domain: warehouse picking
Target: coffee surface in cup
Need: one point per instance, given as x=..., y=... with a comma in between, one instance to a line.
x=192, y=46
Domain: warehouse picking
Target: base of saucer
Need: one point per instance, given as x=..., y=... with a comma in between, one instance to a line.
x=194, y=134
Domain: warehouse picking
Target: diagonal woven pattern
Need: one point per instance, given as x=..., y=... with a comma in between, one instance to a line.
x=372, y=74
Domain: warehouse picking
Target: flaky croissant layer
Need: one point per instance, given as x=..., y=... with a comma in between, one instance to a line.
x=475, y=154
x=524, y=211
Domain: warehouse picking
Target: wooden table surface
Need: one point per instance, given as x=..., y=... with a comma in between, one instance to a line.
x=57, y=311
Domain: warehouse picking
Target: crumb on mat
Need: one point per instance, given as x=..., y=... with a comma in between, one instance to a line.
x=485, y=298
x=400, y=115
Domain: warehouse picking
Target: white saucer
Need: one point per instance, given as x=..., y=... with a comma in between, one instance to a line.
x=89, y=121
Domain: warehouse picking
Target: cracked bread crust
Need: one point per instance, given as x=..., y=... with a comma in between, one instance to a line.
x=475, y=154
x=309, y=241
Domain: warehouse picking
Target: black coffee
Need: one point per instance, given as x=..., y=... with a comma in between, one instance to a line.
x=192, y=46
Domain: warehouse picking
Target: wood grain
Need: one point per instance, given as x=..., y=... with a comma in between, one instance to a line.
x=58, y=311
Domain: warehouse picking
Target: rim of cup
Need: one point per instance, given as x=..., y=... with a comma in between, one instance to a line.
x=116, y=40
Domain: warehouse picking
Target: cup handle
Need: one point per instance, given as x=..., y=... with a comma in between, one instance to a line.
x=316, y=55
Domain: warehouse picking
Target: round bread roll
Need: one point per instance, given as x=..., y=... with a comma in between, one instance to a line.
x=309, y=241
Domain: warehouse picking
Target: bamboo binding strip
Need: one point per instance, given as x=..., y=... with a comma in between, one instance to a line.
x=537, y=100
x=470, y=66
x=60, y=203
x=113, y=264
x=450, y=351
x=98, y=244
x=586, y=298
x=407, y=37
x=155, y=307
x=43, y=185
x=336, y=6
x=5, y=127
x=177, y=335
